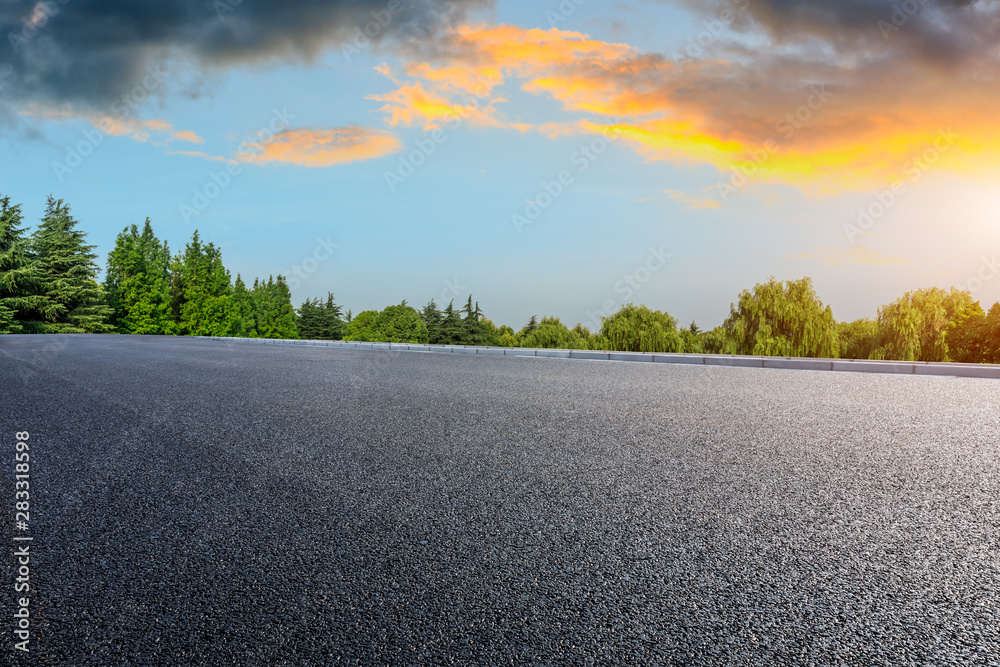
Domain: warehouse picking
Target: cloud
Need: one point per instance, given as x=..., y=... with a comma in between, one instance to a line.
x=944, y=33
x=411, y=104
x=206, y=156
x=89, y=53
x=854, y=255
x=115, y=126
x=187, y=135
x=807, y=106
x=691, y=203
x=323, y=148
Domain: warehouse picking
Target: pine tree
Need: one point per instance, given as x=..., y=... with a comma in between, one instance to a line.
x=332, y=319
x=451, y=331
x=284, y=312
x=242, y=309
x=274, y=315
x=18, y=281
x=137, y=282
x=202, y=291
x=475, y=331
x=432, y=319
x=310, y=320
x=67, y=272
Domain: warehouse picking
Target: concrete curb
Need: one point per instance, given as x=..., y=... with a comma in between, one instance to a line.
x=989, y=371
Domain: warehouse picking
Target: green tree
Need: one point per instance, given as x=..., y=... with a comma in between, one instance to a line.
x=274, y=315
x=201, y=292
x=242, y=306
x=362, y=327
x=692, y=340
x=915, y=327
x=310, y=319
x=782, y=319
x=716, y=341
x=73, y=300
x=476, y=329
x=432, y=318
x=318, y=320
x=401, y=324
x=137, y=282
x=452, y=328
x=550, y=332
x=858, y=338
x=641, y=329
x=19, y=285
x=976, y=336
x=527, y=330
x=395, y=324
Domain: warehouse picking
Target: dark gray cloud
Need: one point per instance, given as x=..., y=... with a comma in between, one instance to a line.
x=92, y=52
x=944, y=32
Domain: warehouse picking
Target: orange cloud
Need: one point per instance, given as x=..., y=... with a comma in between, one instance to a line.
x=324, y=148
x=411, y=104
x=188, y=135
x=778, y=116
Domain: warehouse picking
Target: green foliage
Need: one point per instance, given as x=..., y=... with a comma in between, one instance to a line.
x=362, y=327
x=395, y=324
x=19, y=284
x=320, y=320
x=273, y=315
x=450, y=331
x=641, y=329
x=504, y=336
x=975, y=337
x=137, y=282
x=782, y=319
x=401, y=324
x=858, y=338
x=915, y=327
x=200, y=292
x=457, y=327
x=474, y=329
x=432, y=318
x=71, y=300
x=242, y=308
x=692, y=340
x=716, y=341
x=552, y=333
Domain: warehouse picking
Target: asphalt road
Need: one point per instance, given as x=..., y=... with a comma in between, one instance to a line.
x=197, y=502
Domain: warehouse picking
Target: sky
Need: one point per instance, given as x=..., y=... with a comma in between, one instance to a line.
x=549, y=157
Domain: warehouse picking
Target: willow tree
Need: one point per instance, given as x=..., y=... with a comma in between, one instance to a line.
x=784, y=319
x=641, y=329
x=915, y=326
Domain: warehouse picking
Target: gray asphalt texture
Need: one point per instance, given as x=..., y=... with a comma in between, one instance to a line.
x=196, y=502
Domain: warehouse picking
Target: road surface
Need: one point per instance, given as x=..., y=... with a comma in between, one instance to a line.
x=199, y=502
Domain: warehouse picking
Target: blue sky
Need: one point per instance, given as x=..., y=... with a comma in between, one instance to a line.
x=664, y=129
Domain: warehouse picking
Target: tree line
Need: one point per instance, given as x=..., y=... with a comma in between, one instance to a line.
x=49, y=284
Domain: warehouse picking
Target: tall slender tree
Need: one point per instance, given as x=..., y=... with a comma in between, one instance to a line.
x=432, y=318
x=18, y=280
x=201, y=292
x=73, y=300
x=137, y=282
